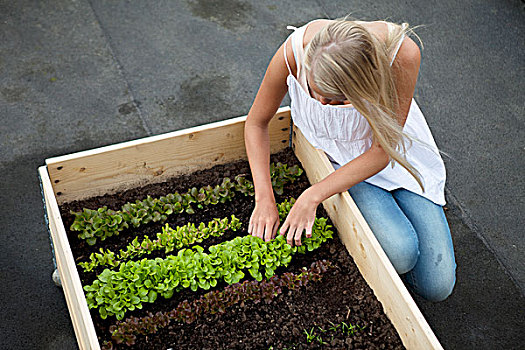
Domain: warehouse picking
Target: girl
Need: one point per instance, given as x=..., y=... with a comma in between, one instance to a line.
x=351, y=85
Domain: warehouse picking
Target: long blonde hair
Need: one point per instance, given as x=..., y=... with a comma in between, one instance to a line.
x=345, y=59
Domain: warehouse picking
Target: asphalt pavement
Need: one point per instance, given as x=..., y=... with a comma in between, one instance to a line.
x=80, y=74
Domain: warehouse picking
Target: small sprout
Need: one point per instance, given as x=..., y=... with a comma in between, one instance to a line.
x=333, y=327
x=310, y=336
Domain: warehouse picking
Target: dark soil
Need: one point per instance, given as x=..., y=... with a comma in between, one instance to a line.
x=341, y=296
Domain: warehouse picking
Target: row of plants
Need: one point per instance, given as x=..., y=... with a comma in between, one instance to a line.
x=102, y=223
x=115, y=292
x=168, y=240
x=321, y=335
x=216, y=302
x=324, y=336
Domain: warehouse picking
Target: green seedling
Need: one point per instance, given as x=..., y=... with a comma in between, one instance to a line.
x=310, y=336
x=333, y=327
x=347, y=328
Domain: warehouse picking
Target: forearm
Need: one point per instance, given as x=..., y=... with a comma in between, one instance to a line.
x=361, y=168
x=257, y=143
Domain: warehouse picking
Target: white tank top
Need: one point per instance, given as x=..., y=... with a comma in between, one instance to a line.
x=344, y=134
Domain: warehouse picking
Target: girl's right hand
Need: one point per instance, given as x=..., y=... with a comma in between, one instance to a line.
x=264, y=221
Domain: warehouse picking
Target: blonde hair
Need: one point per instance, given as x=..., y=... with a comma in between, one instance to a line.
x=345, y=59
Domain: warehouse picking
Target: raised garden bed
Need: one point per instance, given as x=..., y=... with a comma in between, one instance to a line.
x=334, y=309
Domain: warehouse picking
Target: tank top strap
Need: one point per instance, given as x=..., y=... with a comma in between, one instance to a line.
x=398, y=46
x=296, y=53
x=296, y=40
x=297, y=45
x=286, y=56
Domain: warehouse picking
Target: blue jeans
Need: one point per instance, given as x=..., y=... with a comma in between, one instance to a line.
x=414, y=234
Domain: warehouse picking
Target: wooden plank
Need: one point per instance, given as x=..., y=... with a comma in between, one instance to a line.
x=157, y=158
x=75, y=299
x=367, y=253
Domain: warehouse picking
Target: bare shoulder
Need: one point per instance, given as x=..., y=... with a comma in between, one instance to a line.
x=406, y=70
x=409, y=55
x=312, y=28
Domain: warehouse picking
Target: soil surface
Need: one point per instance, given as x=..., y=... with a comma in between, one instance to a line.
x=341, y=296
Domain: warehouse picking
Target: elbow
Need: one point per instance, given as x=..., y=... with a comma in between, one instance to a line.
x=383, y=163
x=385, y=160
x=249, y=125
x=382, y=159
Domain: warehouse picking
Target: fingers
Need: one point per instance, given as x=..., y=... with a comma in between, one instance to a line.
x=275, y=228
x=270, y=230
x=284, y=228
x=267, y=229
x=264, y=221
x=259, y=231
x=290, y=236
x=297, y=235
x=294, y=232
x=255, y=229
x=293, y=236
x=264, y=230
x=250, y=226
x=308, y=229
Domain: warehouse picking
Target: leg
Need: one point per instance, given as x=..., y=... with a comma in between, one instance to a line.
x=390, y=226
x=434, y=275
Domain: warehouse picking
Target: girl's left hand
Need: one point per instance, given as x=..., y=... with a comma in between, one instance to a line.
x=301, y=217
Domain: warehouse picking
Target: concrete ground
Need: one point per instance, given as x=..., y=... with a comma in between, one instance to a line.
x=80, y=74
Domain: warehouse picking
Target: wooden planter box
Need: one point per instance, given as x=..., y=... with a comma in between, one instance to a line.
x=154, y=159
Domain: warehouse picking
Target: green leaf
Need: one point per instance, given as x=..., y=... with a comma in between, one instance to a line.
x=105, y=276
x=76, y=227
x=204, y=284
x=194, y=192
x=168, y=294
x=152, y=296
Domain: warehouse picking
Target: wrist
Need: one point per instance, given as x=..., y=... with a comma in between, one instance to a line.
x=313, y=195
x=267, y=197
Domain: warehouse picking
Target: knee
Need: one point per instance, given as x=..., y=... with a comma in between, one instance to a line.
x=403, y=254
x=438, y=289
